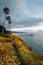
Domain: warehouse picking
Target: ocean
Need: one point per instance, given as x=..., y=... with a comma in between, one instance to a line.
x=34, y=40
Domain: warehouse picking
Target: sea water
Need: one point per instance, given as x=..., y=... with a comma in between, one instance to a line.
x=35, y=41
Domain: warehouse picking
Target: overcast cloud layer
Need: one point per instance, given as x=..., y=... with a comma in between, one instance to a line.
x=25, y=14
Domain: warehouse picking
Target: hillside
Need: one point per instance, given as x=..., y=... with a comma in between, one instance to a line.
x=14, y=51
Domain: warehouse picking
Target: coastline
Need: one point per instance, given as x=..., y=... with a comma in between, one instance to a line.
x=23, y=52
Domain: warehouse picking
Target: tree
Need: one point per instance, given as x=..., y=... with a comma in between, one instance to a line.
x=10, y=23
x=6, y=11
x=8, y=18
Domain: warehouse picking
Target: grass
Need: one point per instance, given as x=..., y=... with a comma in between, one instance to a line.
x=17, y=52
x=27, y=56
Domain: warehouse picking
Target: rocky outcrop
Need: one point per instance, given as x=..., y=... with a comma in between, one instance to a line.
x=2, y=29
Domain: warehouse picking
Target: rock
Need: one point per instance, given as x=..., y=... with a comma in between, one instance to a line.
x=2, y=29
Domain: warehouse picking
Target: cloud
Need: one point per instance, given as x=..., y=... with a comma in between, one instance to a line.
x=24, y=12
x=22, y=9
x=29, y=29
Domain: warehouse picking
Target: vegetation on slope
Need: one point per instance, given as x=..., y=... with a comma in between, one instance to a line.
x=8, y=54
x=14, y=51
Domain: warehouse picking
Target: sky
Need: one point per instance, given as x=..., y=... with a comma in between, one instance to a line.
x=26, y=15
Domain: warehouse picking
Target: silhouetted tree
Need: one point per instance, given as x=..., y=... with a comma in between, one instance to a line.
x=10, y=23
x=8, y=18
x=6, y=11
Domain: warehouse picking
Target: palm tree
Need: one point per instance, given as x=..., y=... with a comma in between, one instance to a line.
x=6, y=11
x=10, y=24
x=8, y=18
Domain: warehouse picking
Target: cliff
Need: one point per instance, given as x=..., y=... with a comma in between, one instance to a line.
x=14, y=51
